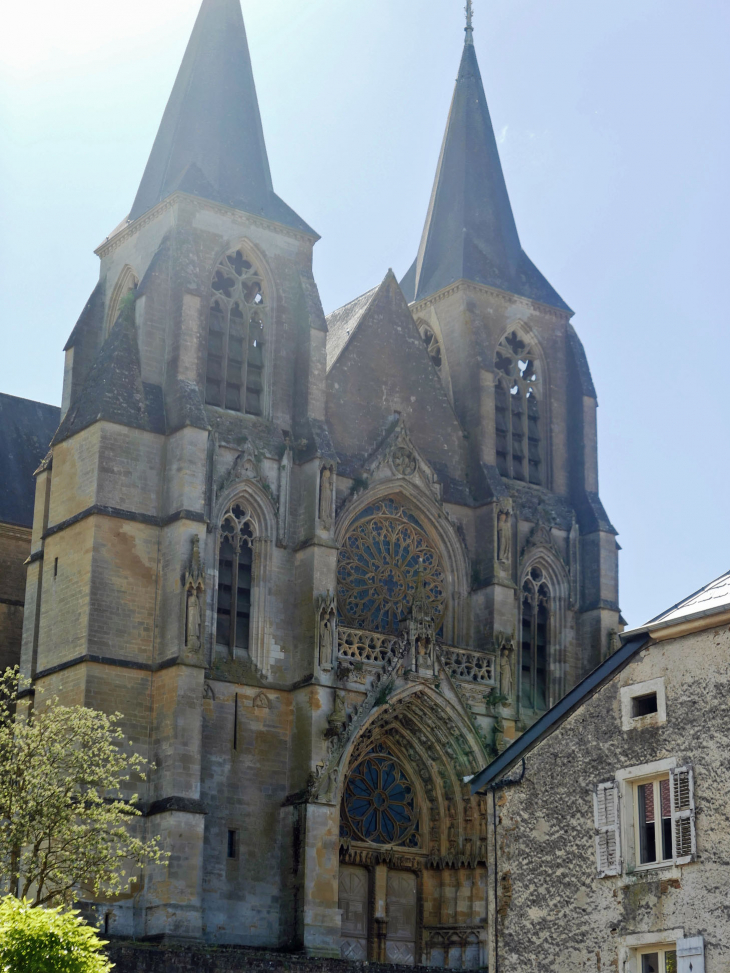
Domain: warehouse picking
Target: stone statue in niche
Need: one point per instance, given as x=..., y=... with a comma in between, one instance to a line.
x=505, y=671
x=326, y=495
x=338, y=717
x=498, y=736
x=194, y=600
x=327, y=630
x=326, y=641
x=193, y=623
x=504, y=536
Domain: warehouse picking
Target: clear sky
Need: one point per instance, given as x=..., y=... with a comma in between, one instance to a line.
x=613, y=126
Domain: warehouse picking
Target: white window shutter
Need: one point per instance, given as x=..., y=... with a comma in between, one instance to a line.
x=607, y=829
x=691, y=955
x=684, y=835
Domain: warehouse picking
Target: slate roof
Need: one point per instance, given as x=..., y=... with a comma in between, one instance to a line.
x=211, y=141
x=26, y=430
x=470, y=231
x=114, y=389
x=713, y=598
x=341, y=324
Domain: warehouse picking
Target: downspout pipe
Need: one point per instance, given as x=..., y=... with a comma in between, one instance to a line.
x=499, y=785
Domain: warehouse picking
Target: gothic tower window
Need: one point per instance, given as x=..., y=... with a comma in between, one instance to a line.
x=431, y=342
x=517, y=411
x=235, y=561
x=234, y=377
x=535, y=641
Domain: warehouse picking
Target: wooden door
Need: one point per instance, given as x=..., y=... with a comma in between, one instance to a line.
x=401, y=937
x=353, y=900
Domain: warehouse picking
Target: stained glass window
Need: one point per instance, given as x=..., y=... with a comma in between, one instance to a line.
x=379, y=804
x=378, y=567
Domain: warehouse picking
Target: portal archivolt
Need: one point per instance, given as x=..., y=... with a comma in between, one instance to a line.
x=411, y=833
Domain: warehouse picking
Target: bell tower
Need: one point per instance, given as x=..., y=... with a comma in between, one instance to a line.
x=182, y=516
x=519, y=381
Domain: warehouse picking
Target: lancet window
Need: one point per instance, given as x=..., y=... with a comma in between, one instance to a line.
x=431, y=342
x=381, y=558
x=235, y=560
x=234, y=376
x=517, y=410
x=535, y=641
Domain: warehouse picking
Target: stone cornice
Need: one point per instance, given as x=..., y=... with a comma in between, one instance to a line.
x=505, y=296
x=112, y=243
x=151, y=520
x=15, y=530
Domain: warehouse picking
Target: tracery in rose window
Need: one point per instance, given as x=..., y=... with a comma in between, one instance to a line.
x=379, y=803
x=378, y=567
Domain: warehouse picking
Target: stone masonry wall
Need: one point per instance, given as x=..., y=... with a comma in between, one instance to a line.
x=555, y=914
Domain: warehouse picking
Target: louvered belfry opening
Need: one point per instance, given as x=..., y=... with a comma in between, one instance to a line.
x=234, y=377
x=517, y=411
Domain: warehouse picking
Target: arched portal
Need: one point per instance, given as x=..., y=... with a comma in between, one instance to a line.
x=413, y=849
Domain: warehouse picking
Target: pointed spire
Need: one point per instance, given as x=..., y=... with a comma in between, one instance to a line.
x=211, y=141
x=470, y=231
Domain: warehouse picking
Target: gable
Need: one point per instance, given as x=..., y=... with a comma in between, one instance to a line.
x=383, y=368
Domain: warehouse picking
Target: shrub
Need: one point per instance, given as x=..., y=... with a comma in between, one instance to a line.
x=36, y=940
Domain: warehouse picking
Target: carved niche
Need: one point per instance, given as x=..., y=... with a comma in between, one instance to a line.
x=504, y=535
x=326, y=495
x=245, y=467
x=326, y=620
x=194, y=601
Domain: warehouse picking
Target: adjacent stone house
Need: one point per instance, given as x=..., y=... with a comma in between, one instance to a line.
x=611, y=849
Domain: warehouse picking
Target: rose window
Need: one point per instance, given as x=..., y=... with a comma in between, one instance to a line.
x=379, y=803
x=378, y=568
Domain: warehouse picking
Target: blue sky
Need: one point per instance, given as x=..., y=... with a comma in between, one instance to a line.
x=614, y=133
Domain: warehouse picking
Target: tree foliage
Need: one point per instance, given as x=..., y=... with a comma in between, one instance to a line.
x=47, y=941
x=66, y=826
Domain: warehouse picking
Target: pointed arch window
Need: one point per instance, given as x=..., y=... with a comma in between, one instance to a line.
x=234, y=377
x=235, y=561
x=535, y=641
x=517, y=411
x=433, y=346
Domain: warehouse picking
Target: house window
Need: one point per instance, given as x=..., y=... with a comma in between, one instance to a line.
x=232, y=844
x=644, y=704
x=658, y=961
x=517, y=411
x=653, y=825
x=235, y=560
x=654, y=821
x=234, y=376
x=535, y=640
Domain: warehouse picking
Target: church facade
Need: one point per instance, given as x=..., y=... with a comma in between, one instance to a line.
x=326, y=567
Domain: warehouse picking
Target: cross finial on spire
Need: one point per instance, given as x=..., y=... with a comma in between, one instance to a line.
x=469, y=20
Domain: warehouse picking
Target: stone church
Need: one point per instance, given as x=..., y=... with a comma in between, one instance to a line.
x=326, y=567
